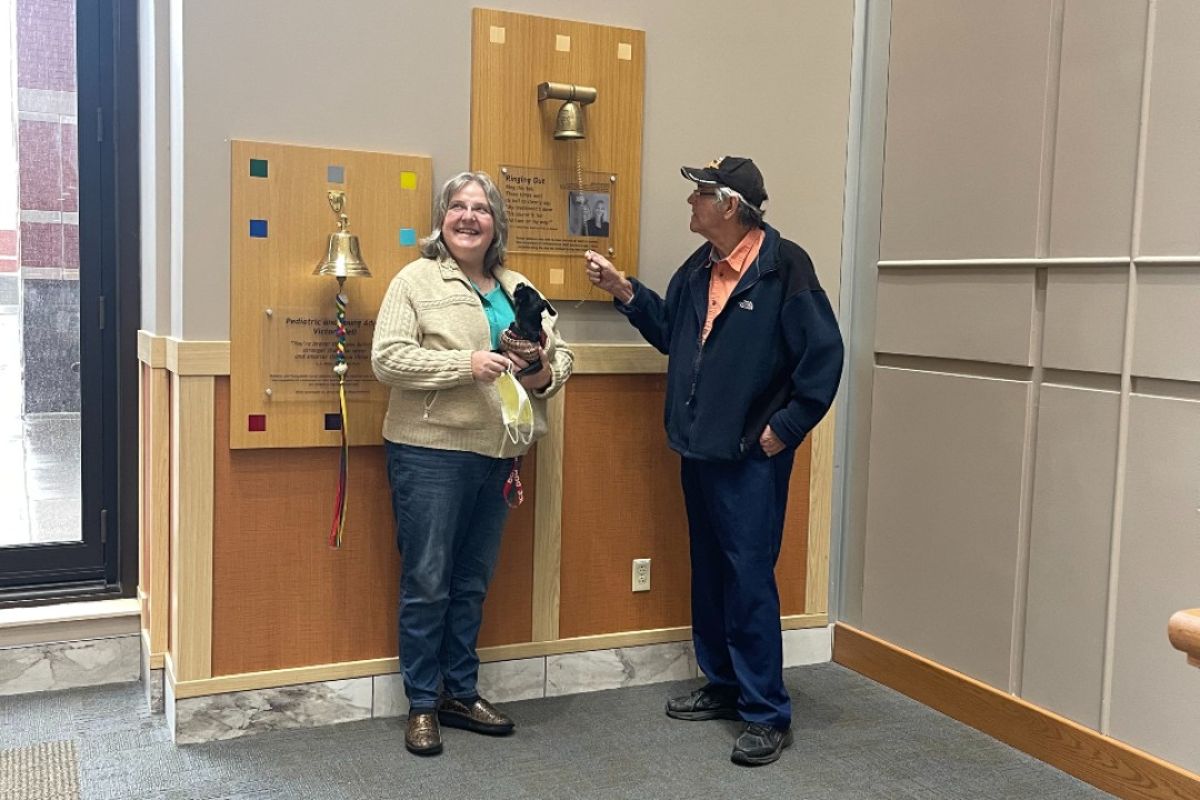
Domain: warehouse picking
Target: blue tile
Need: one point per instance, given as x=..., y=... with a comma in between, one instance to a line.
x=258, y=228
x=408, y=237
x=258, y=168
x=333, y=422
x=335, y=174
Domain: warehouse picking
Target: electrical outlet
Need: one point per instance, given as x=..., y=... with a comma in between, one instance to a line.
x=641, y=574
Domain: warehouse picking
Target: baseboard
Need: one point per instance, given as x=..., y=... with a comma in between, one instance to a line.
x=1104, y=762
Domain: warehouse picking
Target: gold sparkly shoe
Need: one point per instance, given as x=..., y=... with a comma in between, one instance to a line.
x=480, y=716
x=423, y=736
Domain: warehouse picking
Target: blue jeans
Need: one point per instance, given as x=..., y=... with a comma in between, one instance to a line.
x=450, y=512
x=735, y=525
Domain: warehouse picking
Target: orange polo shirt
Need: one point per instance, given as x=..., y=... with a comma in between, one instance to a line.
x=726, y=273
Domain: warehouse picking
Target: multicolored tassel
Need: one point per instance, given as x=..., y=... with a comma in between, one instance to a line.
x=339, y=368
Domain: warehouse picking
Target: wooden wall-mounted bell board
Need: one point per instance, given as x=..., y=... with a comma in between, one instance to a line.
x=282, y=317
x=563, y=196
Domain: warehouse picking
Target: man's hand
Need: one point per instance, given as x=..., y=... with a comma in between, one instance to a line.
x=486, y=366
x=602, y=273
x=534, y=381
x=770, y=443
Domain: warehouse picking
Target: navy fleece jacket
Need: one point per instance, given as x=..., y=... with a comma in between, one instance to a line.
x=774, y=354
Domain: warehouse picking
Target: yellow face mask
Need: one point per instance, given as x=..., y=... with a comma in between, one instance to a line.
x=515, y=409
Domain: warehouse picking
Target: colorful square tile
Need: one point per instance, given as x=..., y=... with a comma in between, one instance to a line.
x=335, y=173
x=408, y=180
x=408, y=237
x=257, y=422
x=258, y=228
x=333, y=422
x=258, y=168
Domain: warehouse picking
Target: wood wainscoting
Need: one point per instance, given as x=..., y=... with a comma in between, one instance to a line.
x=258, y=600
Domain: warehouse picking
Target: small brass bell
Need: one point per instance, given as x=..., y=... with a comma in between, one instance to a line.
x=343, y=259
x=569, y=122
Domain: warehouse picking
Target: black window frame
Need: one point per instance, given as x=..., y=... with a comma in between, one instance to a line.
x=103, y=564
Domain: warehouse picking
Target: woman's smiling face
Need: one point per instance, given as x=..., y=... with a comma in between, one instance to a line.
x=468, y=228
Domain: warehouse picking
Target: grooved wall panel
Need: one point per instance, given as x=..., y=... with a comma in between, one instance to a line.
x=1085, y=318
x=1069, y=551
x=1155, y=693
x=1168, y=323
x=283, y=598
x=1095, y=151
x=976, y=314
x=942, y=519
x=964, y=129
x=1172, y=180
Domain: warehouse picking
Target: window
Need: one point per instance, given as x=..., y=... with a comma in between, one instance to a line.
x=68, y=298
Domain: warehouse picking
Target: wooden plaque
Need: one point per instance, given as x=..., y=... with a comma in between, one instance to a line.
x=282, y=330
x=512, y=140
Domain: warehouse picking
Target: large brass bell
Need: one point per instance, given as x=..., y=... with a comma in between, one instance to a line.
x=343, y=258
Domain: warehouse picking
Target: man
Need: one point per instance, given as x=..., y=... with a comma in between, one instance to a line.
x=755, y=357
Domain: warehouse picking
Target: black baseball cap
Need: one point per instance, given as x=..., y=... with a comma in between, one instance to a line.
x=735, y=172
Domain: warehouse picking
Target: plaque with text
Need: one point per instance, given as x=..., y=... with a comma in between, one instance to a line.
x=562, y=212
x=300, y=347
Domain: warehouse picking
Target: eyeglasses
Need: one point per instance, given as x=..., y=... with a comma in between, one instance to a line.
x=697, y=192
x=458, y=208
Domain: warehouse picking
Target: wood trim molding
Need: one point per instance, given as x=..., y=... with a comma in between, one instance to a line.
x=191, y=525
x=152, y=349
x=285, y=677
x=157, y=509
x=625, y=359
x=153, y=659
x=547, y=522
x=1183, y=630
x=1104, y=762
x=794, y=622
x=820, y=504
x=197, y=358
x=507, y=652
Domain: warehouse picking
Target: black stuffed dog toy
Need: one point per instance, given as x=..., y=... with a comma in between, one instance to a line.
x=525, y=336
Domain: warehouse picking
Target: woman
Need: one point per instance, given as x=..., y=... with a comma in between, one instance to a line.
x=451, y=463
x=599, y=224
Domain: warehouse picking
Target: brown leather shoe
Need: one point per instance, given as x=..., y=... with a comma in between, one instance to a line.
x=480, y=716
x=423, y=736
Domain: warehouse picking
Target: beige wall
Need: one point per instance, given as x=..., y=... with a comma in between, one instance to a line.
x=1024, y=418
x=395, y=76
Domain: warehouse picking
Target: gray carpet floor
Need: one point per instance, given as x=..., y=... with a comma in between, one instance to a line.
x=854, y=739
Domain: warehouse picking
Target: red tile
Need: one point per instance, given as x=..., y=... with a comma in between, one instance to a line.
x=8, y=243
x=257, y=422
x=41, y=244
x=38, y=159
x=8, y=265
x=70, y=168
x=46, y=44
x=70, y=246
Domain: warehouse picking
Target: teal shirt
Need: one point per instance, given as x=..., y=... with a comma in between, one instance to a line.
x=498, y=309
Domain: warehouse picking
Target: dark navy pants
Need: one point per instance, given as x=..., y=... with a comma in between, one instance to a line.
x=735, y=521
x=450, y=512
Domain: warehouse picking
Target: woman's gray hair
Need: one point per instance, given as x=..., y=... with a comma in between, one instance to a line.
x=748, y=215
x=432, y=245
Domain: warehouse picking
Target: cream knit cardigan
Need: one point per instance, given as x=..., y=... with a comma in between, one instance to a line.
x=429, y=324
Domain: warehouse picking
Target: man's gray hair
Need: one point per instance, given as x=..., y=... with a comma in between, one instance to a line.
x=432, y=245
x=748, y=215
